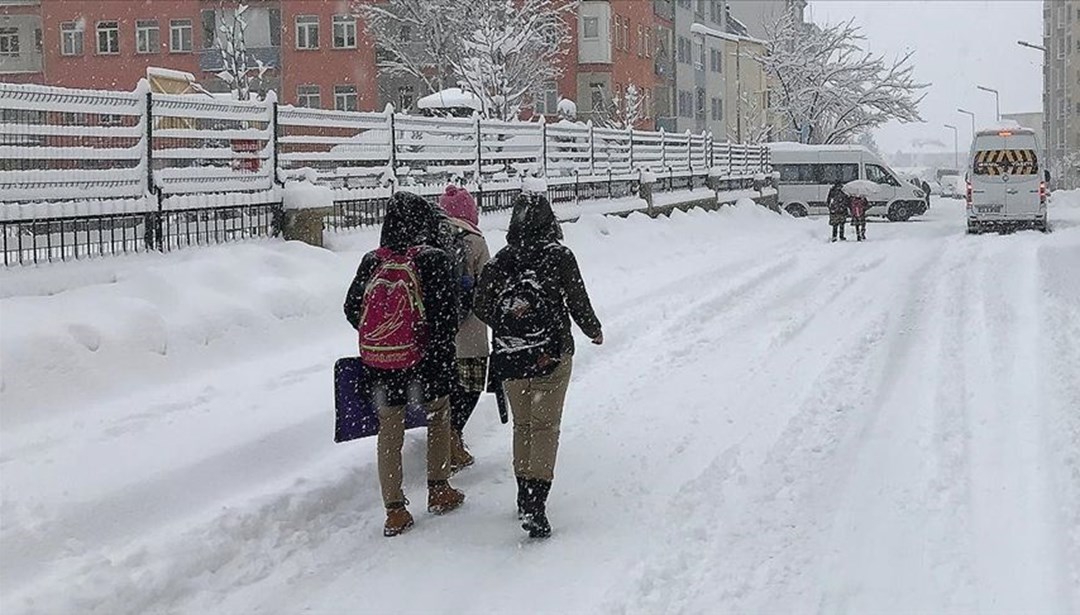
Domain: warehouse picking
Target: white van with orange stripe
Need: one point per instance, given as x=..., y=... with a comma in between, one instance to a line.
x=1006, y=185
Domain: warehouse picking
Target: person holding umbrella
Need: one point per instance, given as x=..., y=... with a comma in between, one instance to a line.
x=859, y=192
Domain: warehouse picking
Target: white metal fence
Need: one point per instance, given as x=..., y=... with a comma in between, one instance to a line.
x=150, y=171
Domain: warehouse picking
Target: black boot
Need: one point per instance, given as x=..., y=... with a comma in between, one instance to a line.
x=536, y=521
x=522, y=496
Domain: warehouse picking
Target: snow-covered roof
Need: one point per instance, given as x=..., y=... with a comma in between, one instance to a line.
x=168, y=73
x=1004, y=124
x=704, y=30
x=450, y=98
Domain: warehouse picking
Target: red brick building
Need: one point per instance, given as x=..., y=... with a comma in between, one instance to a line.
x=317, y=53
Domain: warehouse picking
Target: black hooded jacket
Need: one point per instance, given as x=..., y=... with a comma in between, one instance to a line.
x=533, y=238
x=410, y=221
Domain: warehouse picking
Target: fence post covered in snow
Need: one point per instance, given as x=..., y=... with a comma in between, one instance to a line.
x=393, y=146
x=645, y=187
x=631, y=130
x=152, y=221
x=592, y=151
x=543, y=145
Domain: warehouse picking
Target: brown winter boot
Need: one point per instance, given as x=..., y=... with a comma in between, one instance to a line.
x=442, y=498
x=459, y=455
x=398, y=520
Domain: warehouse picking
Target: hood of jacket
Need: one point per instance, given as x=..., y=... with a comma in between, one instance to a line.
x=409, y=221
x=532, y=223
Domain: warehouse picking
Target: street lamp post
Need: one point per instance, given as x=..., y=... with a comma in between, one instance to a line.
x=956, y=145
x=997, y=98
x=966, y=112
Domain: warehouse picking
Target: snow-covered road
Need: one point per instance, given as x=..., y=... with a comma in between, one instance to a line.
x=776, y=424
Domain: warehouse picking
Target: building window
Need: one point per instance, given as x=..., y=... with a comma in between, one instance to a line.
x=546, y=100
x=344, y=32
x=108, y=37
x=590, y=27
x=9, y=42
x=716, y=61
x=71, y=38
x=686, y=104
x=209, y=28
x=596, y=96
x=406, y=97
x=684, y=50
x=180, y=36
x=345, y=98
x=147, y=36
x=308, y=96
x=307, y=31
x=275, y=27
x=699, y=55
x=640, y=42
x=717, y=109
x=715, y=13
x=38, y=40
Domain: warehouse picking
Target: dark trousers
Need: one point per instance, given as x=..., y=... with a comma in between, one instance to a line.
x=859, y=224
x=462, y=404
x=838, y=228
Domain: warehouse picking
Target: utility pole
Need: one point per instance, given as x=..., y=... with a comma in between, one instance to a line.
x=997, y=98
x=966, y=112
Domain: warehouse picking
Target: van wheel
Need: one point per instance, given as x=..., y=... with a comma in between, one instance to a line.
x=900, y=212
x=796, y=210
x=973, y=229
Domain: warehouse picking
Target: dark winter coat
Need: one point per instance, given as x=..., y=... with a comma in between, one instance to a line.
x=410, y=222
x=838, y=204
x=533, y=238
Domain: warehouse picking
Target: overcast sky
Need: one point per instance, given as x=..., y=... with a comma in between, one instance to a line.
x=958, y=44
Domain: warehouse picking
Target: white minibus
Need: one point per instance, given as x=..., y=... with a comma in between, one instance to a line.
x=807, y=172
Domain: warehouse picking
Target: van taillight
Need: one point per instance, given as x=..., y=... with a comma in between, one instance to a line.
x=1042, y=192
x=969, y=194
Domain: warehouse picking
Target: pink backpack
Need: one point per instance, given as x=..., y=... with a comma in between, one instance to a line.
x=393, y=331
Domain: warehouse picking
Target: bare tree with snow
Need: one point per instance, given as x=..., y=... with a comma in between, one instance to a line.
x=510, y=49
x=828, y=89
x=419, y=38
x=238, y=66
x=626, y=110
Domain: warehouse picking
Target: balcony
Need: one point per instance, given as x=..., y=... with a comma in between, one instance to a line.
x=210, y=59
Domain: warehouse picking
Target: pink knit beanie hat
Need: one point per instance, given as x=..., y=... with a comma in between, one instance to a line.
x=458, y=203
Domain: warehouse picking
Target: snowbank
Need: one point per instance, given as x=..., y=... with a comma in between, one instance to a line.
x=126, y=321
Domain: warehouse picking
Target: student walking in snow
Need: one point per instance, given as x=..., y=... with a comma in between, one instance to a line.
x=469, y=254
x=403, y=302
x=838, y=210
x=528, y=294
x=858, y=206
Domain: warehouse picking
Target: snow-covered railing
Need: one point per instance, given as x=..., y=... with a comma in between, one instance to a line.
x=75, y=143
x=208, y=145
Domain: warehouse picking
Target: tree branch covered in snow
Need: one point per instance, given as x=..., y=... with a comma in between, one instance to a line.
x=828, y=88
x=418, y=38
x=510, y=49
x=237, y=72
x=625, y=110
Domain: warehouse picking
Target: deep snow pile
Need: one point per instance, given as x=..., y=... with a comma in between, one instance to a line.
x=776, y=424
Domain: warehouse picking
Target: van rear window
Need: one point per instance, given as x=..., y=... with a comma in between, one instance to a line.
x=1006, y=162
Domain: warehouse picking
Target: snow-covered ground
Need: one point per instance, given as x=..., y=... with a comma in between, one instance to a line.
x=775, y=424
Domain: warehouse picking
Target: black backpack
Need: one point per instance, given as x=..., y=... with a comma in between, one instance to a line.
x=526, y=337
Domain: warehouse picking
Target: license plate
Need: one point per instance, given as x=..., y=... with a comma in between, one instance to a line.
x=989, y=209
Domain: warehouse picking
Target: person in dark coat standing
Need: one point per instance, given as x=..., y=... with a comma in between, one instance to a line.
x=409, y=224
x=926, y=192
x=535, y=260
x=838, y=210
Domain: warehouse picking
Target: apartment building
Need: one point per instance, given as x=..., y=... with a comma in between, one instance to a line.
x=21, y=56
x=314, y=50
x=1061, y=89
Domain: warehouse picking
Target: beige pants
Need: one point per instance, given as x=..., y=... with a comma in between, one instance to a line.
x=537, y=405
x=392, y=438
